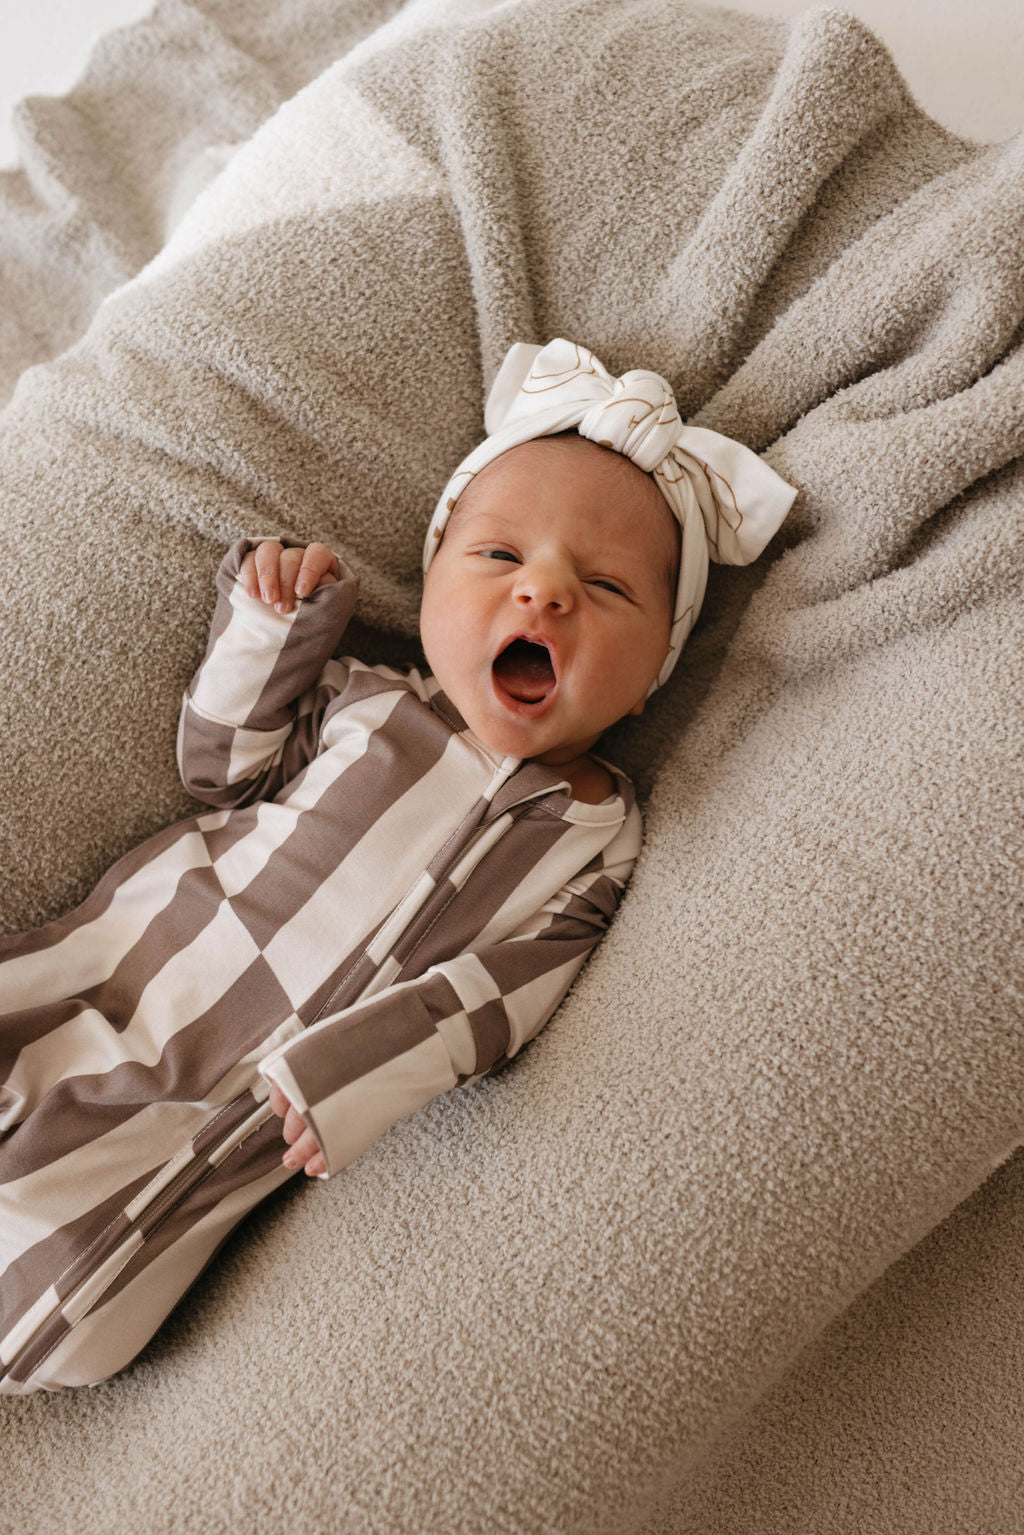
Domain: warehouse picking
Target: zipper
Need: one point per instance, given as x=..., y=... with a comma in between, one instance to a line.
x=366, y=975
x=208, y=1159
x=145, y=1213
x=359, y=980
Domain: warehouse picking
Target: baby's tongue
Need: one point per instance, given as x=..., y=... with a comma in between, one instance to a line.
x=525, y=671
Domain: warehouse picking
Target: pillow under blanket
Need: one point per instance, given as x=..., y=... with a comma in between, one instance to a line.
x=529, y=1306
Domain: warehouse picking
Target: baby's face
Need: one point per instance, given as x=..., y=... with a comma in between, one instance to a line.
x=547, y=608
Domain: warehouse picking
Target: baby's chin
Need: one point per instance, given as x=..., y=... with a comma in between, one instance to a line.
x=507, y=739
x=527, y=739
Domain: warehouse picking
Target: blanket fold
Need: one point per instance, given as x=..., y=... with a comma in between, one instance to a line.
x=799, y=1047
x=109, y=169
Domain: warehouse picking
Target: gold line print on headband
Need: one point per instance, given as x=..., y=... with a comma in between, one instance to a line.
x=638, y=399
x=635, y=421
x=708, y=472
x=469, y=475
x=561, y=377
x=685, y=614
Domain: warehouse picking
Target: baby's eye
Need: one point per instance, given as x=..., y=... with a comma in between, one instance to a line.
x=498, y=554
x=609, y=586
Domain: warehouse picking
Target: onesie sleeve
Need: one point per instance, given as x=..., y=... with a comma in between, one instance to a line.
x=248, y=717
x=353, y=1074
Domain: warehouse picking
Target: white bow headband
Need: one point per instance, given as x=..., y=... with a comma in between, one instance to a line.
x=727, y=501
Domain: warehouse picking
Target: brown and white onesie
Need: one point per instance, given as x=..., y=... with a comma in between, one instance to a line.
x=376, y=910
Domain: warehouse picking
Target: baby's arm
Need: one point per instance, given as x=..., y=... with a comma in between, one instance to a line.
x=348, y=1077
x=249, y=719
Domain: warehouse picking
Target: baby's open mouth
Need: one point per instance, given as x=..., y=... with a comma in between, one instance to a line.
x=525, y=671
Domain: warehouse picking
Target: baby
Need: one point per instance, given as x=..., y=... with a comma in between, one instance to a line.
x=545, y=617
x=402, y=874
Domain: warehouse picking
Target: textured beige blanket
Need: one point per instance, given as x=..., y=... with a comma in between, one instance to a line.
x=534, y=1306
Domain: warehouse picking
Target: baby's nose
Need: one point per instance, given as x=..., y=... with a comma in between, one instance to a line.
x=544, y=588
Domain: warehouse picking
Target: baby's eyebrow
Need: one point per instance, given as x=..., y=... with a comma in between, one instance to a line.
x=462, y=514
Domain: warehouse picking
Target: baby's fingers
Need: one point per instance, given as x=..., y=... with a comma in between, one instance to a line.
x=247, y=575
x=265, y=563
x=319, y=568
x=303, y=1150
x=277, y=575
x=290, y=565
x=305, y=1153
x=278, y=1102
x=294, y=1126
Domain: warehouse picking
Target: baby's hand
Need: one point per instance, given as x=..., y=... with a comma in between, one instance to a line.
x=279, y=575
x=303, y=1150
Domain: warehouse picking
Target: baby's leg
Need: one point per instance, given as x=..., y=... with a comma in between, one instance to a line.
x=70, y=991
x=138, y=1131
x=80, y=1304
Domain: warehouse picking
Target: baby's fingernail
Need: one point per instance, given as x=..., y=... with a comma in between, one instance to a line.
x=290, y=1159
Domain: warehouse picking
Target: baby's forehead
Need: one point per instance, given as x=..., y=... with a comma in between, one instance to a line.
x=601, y=497
x=561, y=455
x=585, y=472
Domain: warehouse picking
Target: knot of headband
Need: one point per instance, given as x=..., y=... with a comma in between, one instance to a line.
x=726, y=499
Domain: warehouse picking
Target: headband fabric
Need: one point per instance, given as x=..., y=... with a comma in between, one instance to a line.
x=726, y=499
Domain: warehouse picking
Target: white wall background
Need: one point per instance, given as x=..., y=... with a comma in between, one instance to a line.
x=963, y=59
x=44, y=45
